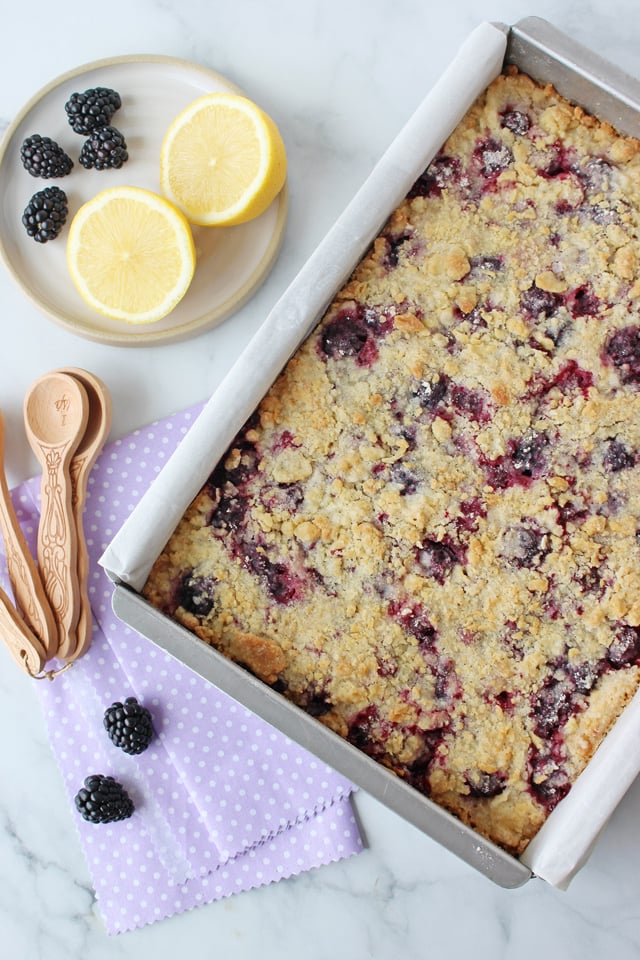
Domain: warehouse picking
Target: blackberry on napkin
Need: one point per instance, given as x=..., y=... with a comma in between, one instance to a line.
x=103, y=800
x=129, y=726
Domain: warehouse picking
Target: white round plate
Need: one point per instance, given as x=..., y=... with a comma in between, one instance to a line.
x=232, y=261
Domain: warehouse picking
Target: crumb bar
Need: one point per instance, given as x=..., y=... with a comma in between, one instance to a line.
x=427, y=534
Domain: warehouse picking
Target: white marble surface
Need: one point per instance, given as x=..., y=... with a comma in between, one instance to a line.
x=340, y=78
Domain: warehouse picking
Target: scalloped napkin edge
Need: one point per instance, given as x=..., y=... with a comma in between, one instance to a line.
x=187, y=843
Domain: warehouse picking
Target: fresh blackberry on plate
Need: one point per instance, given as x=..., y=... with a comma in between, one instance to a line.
x=46, y=214
x=43, y=157
x=92, y=109
x=129, y=725
x=104, y=149
x=103, y=800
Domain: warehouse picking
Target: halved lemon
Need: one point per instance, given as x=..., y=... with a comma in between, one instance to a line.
x=222, y=161
x=130, y=254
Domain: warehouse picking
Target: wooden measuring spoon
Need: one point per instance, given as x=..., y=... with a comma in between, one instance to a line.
x=28, y=591
x=23, y=645
x=95, y=435
x=56, y=410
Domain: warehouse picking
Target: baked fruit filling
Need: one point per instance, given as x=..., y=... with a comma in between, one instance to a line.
x=427, y=535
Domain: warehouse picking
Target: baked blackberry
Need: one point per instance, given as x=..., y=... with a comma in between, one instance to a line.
x=479, y=663
x=46, y=214
x=103, y=800
x=129, y=726
x=43, y=157
x=104, y=149
x=92, y=109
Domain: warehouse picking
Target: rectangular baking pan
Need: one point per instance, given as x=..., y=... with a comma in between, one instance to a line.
x=547, y=55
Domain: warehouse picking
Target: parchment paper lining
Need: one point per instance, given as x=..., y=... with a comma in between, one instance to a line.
x=565, y=841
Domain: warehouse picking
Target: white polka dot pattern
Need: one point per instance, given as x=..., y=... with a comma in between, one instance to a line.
x=224, y=802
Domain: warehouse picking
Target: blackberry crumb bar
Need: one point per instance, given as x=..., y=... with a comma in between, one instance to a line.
x=427, y=535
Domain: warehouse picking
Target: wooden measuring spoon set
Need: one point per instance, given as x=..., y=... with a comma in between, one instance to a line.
x=67, y=417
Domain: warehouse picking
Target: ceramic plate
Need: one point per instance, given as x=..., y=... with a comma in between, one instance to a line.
x=232, y=261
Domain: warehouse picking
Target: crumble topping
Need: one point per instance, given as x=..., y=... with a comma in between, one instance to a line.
x=427, y=534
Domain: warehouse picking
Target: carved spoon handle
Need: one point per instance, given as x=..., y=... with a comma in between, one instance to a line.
x=96, y=432
x=57, y=541
x=20, y=641
x=55, y=418
x=25, y=580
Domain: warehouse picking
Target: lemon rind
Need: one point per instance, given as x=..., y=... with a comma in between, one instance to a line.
x=272, y=154
x=186, y=248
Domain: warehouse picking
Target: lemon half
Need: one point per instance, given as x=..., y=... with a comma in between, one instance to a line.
x=130, y=254
x=222, y=160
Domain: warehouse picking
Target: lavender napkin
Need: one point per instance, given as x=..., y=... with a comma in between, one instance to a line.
x=224, y=802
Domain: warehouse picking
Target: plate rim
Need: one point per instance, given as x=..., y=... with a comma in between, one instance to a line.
x=134, y=335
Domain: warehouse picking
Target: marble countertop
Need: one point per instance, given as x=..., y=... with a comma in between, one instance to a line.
x=340, y=78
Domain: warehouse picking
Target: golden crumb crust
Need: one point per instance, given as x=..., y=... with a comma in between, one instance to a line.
x=427, y=534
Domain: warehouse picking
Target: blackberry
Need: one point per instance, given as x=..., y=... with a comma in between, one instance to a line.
x=42, y=157
x=103, y=800
x=92, y=109
x=45, y=214
x=104, y=149
x=129, y=725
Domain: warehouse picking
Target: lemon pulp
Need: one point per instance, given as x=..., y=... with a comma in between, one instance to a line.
x=130, y=254
x=222, y=160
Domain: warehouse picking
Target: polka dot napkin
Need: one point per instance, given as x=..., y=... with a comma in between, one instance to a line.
x=224, y=802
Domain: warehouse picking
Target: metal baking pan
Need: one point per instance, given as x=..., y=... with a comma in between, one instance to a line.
x=548, y=56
